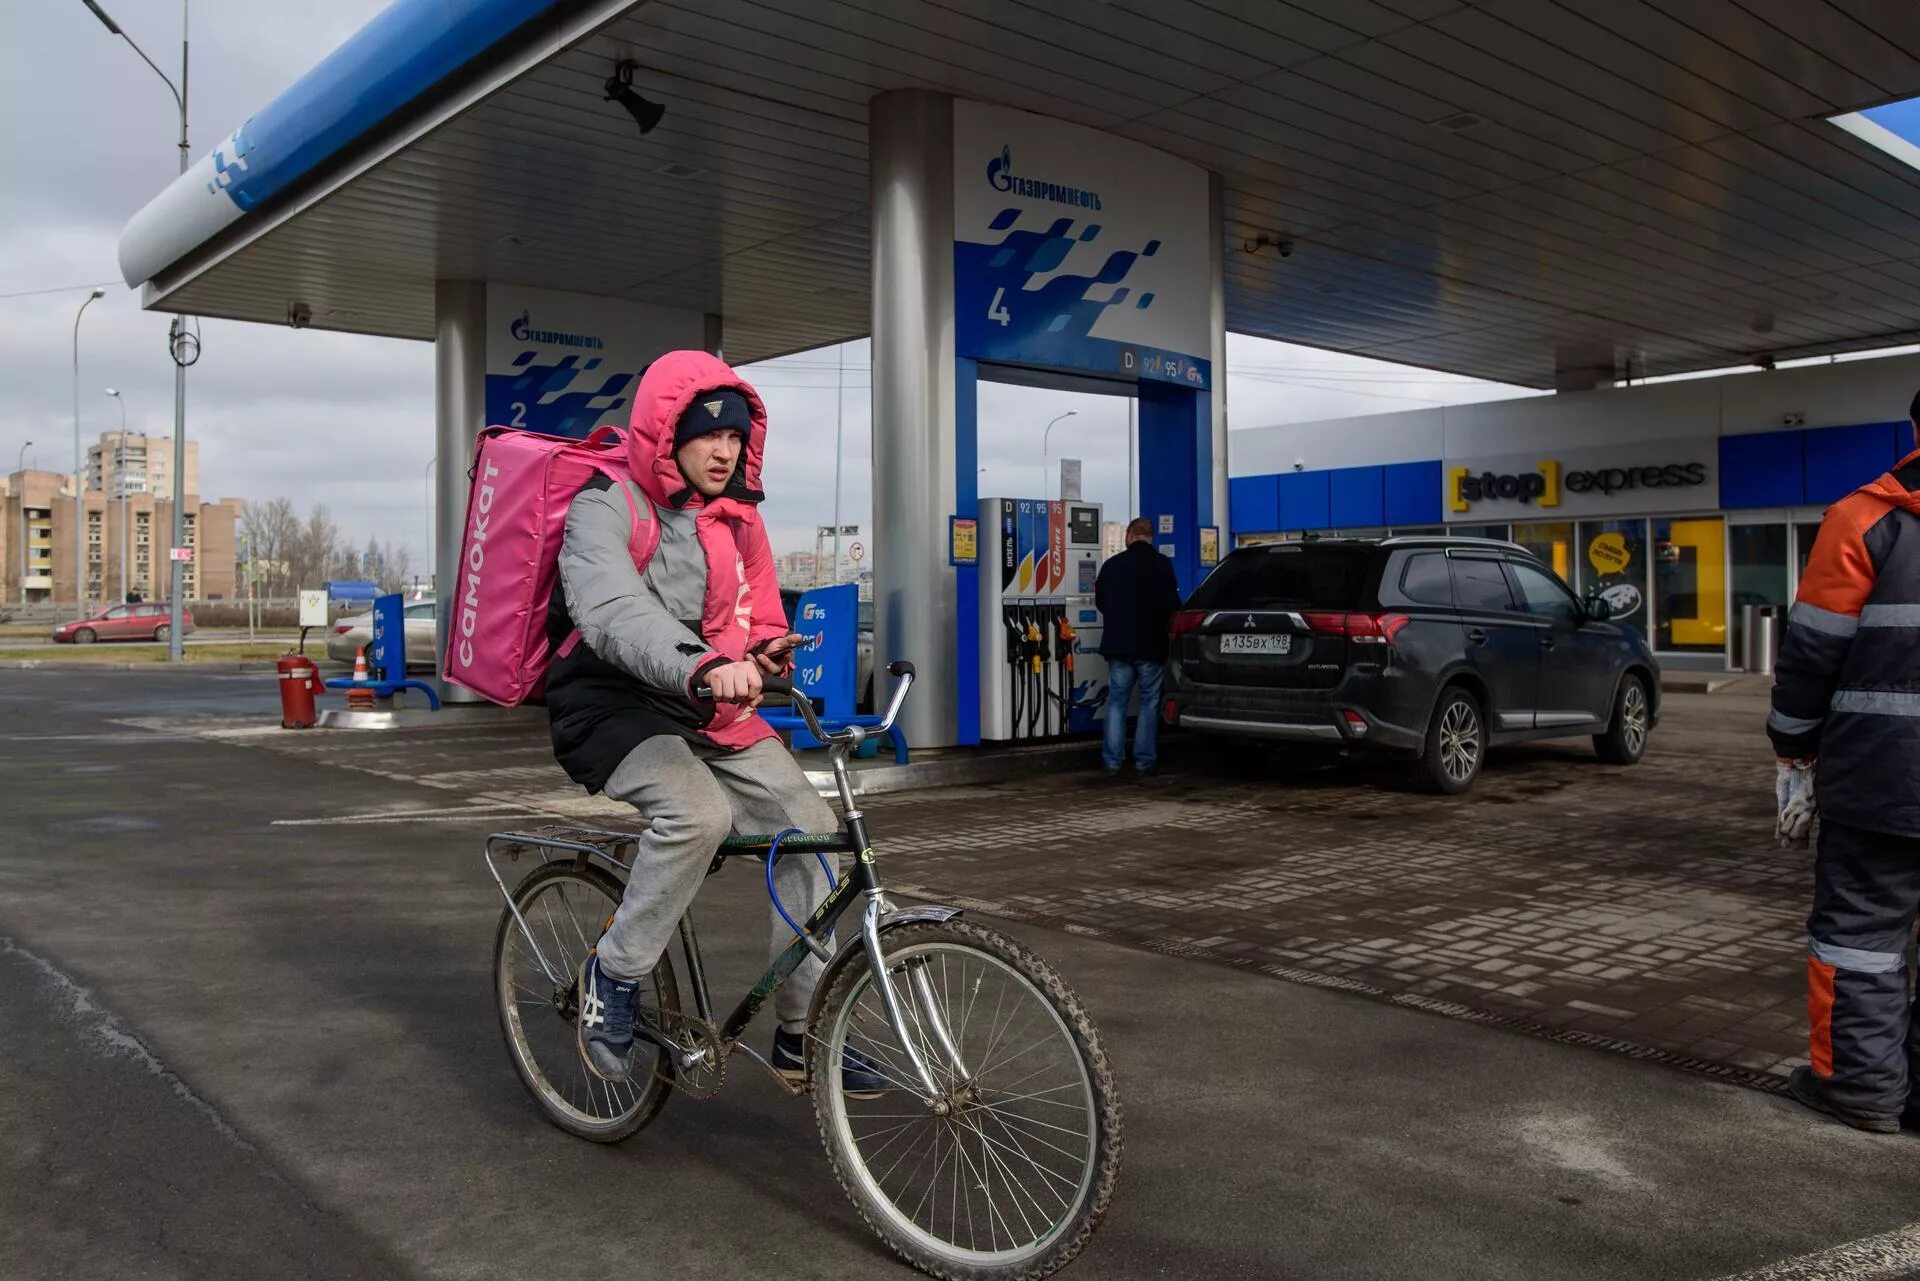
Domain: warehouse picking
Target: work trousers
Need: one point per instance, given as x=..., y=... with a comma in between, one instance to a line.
x=694, y=797
x=1866, y=890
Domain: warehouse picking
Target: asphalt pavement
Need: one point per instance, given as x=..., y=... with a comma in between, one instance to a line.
x=244, y=1038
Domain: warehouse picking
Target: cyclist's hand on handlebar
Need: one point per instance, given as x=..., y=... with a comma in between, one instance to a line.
x=735, y=683
x=773, y=657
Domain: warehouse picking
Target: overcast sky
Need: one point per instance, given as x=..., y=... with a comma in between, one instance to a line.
x=90, y=139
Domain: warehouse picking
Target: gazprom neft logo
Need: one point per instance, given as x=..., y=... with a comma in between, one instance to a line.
x=523, y=331
x=1000, y=177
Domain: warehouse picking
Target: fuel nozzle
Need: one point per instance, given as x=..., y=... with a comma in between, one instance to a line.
x=1034, y=645
x=1066, y=638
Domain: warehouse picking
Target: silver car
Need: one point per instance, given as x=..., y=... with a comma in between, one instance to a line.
x=346, y=636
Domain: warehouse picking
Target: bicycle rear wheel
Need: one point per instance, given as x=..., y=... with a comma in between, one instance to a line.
x=1012, y=1179
x=567, y=905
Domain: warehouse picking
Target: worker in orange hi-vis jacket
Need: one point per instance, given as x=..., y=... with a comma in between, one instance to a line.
x=1846, y=715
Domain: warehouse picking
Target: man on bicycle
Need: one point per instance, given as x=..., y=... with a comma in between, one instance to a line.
x=628, y=718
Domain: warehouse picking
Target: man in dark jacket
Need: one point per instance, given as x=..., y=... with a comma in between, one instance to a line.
x=1137, y=596
x=1846, y=715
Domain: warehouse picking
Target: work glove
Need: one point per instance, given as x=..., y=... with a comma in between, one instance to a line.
x=1793, y=792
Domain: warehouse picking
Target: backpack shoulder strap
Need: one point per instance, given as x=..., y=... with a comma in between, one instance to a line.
x=642, y=542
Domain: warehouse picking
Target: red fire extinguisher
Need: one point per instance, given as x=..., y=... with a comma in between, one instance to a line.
x=299, y=683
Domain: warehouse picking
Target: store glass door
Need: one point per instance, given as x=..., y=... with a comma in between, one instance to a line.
x=1757, y=564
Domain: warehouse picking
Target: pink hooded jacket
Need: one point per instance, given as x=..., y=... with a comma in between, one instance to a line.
x=742, y=610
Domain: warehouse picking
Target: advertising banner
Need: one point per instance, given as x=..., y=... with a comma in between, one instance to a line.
x=563, y=363
x=1075, y=249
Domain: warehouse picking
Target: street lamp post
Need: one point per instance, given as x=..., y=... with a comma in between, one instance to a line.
x=427, y=475
x=26, y=553
x=79, y=476
x=1044, y=460
x=120, y=480
x=182, y=346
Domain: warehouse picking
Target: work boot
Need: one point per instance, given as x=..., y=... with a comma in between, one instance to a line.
x=860, y=1076
x=606, y=1020
x=1808, y=1088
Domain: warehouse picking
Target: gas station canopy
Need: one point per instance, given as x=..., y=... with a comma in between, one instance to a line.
x=1540, y=193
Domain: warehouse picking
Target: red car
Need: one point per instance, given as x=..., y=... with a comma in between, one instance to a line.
x=123, y=622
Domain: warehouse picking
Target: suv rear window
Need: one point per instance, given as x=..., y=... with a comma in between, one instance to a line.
x=1289, y=575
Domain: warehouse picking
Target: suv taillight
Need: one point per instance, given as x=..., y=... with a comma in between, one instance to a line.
x=1185, y=621
x=1361, y=629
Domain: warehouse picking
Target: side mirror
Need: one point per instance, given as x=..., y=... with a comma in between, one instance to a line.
x=1598, y=609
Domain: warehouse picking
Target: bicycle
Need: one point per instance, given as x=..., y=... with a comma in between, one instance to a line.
x=988, y=1155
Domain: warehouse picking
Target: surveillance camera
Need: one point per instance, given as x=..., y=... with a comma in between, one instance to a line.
x=1299, y=464
x=1285, y=246
x=299, y=315
x=1793, y=420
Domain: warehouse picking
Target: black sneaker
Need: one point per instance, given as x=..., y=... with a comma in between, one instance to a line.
x=860, y=1076
x=1810, y=1090
x=606, y=1020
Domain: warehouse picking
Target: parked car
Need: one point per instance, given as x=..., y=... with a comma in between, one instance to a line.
x=1435, y=648
x=863, y=644
x=148, y=621
x=347, y=635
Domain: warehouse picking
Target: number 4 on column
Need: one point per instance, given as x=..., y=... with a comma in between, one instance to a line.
x=997, y=312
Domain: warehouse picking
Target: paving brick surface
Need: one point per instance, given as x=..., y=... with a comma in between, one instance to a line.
x=1646, y=905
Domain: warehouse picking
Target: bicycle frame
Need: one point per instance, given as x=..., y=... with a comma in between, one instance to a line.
x=860, y=881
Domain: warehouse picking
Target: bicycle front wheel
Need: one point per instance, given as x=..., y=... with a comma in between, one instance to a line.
x=1005, y=1171
x=566, y=906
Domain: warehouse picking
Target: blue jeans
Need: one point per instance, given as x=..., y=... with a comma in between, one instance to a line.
x=1122, y=675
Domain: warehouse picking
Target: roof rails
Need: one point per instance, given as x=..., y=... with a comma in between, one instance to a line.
x=1400, y=540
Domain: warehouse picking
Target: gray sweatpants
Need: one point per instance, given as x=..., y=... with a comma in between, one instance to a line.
x=694, y=796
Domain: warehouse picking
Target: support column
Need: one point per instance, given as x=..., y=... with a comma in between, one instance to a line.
x=1217, y=322
x=459, y=412
x=916, y=612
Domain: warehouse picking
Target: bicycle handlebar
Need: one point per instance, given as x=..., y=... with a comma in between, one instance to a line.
x=778, y=686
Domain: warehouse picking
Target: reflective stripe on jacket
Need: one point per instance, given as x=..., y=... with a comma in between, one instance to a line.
x=1847, y=685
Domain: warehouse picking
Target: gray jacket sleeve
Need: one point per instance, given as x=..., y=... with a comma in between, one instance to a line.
x=619, y=618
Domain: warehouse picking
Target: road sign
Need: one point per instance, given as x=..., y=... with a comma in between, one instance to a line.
x=856, y=552
x=183, y=553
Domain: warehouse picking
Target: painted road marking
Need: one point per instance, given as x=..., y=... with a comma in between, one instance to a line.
x=1887, y=1257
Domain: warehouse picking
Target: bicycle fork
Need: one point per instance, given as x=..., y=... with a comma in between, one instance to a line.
x=937, y=1099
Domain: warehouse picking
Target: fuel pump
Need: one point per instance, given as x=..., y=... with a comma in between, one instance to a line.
x=1040, y=669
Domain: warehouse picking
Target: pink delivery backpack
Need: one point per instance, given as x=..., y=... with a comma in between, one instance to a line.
x=523, y=482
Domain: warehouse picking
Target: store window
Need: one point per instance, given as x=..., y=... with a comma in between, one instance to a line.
x=1497, y=532
x=1690, y=585
x=1611, y=562
x=1551, y=542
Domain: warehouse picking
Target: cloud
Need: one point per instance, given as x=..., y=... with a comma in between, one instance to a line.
x=348, y=421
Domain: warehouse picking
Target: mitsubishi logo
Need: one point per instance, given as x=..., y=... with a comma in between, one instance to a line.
x=1250, y=624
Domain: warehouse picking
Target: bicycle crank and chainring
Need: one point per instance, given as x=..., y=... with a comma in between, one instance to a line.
x=700, y=1040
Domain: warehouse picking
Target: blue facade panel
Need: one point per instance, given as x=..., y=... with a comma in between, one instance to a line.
x=1253, y=504
x=1305, y=500
x=1767, y=470
x=1841, y=459
x=1413, y=493
x=1358, y=497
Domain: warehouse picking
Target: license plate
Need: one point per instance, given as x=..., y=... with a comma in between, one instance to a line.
x=1249, y=643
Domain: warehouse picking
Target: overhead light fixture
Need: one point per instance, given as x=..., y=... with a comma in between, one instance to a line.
x=620, y=89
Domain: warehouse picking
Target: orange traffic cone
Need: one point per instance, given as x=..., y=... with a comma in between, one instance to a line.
x=360, y=697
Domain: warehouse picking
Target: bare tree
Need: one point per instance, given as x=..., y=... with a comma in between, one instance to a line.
x=273, y=530
x=393, y=568
x=315, y=554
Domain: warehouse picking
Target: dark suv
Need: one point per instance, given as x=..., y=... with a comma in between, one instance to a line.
x=1438, y=647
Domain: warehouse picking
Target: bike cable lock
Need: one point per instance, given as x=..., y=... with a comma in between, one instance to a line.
x=773, y=852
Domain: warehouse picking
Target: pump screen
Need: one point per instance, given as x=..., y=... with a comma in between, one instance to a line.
x=1083, y=525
